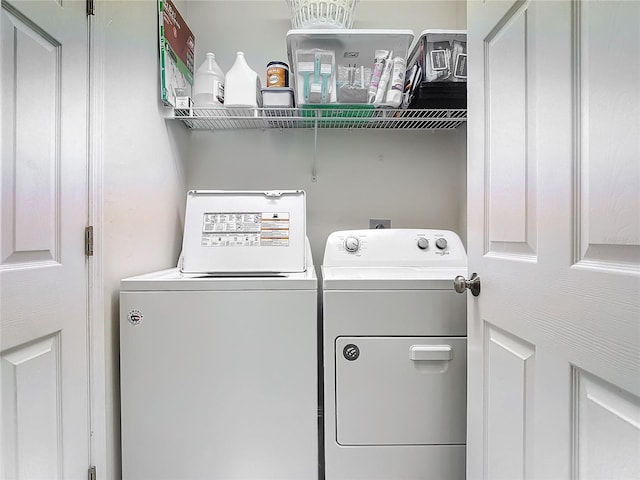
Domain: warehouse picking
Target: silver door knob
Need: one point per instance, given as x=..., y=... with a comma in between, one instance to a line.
x=461, y=284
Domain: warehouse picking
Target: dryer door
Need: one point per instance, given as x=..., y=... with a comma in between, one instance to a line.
x=400, y=390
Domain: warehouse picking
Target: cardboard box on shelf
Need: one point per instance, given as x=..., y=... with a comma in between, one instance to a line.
x=177, y=54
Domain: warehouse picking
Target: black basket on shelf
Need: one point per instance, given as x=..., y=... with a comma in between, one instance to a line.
x=440, y=95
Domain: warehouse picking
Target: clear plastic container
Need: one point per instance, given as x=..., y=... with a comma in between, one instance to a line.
x=208, y=84
x=441, y=55
x=242, y=85
x=350, y=56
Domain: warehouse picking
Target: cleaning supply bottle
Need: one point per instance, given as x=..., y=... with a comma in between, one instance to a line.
x=242, y=85
x=396, y=89
x=208, y=84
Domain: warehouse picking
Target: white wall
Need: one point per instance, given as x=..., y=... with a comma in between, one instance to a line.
x=416, y=179
x=143, y=189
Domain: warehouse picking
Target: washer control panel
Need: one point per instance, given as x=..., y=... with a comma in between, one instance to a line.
x=395, y=247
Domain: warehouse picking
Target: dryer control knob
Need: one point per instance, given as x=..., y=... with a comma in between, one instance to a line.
x=351, y=244
x=423, y=243
x=441, y=243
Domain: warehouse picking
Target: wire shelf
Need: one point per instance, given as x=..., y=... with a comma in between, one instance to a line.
x=199, y=118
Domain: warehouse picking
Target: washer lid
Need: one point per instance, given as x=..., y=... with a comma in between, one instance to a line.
x=244, y=231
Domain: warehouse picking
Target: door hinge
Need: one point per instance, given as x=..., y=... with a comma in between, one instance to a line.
x=88, y=241
x=91, y=7
x=92, y=473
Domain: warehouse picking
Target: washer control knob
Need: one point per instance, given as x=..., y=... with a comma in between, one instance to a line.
x=351, y=244
x=423, y=243
x=441, y=243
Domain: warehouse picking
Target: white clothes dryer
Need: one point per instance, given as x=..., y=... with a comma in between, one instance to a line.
x=394, y=336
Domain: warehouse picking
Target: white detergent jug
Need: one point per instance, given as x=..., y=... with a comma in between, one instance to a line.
x=208, y=84
x=242, y=85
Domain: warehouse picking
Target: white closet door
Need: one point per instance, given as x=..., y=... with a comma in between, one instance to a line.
x=554, y=234
x=43, y=290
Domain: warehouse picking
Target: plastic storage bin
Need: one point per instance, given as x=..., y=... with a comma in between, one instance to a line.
x=334, y=67
x=442, y=55
x=437, y=70
x=277, y=97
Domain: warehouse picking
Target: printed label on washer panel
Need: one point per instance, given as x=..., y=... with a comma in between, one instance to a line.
x=259, y=229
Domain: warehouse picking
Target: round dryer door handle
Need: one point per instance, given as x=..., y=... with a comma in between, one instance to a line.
x=473, y=284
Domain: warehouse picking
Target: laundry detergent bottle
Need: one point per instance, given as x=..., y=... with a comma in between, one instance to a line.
x=208, y=84
x=242, y=85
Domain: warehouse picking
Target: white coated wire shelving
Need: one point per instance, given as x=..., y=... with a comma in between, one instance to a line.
x=199, y=118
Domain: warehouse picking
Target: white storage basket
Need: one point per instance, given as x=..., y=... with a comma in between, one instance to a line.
x=322, y=13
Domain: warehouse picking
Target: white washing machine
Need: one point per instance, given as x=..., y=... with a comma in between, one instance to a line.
x=219, y=370
x=394, y=335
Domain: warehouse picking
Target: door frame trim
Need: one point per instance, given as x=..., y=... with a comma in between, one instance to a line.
x=97, y=321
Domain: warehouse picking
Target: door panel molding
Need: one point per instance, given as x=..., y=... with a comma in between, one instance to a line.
x=509, y=365
x=31, y=409
x=510, y=173
x=607, y=173
x=603, y=415
x=31, y=149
